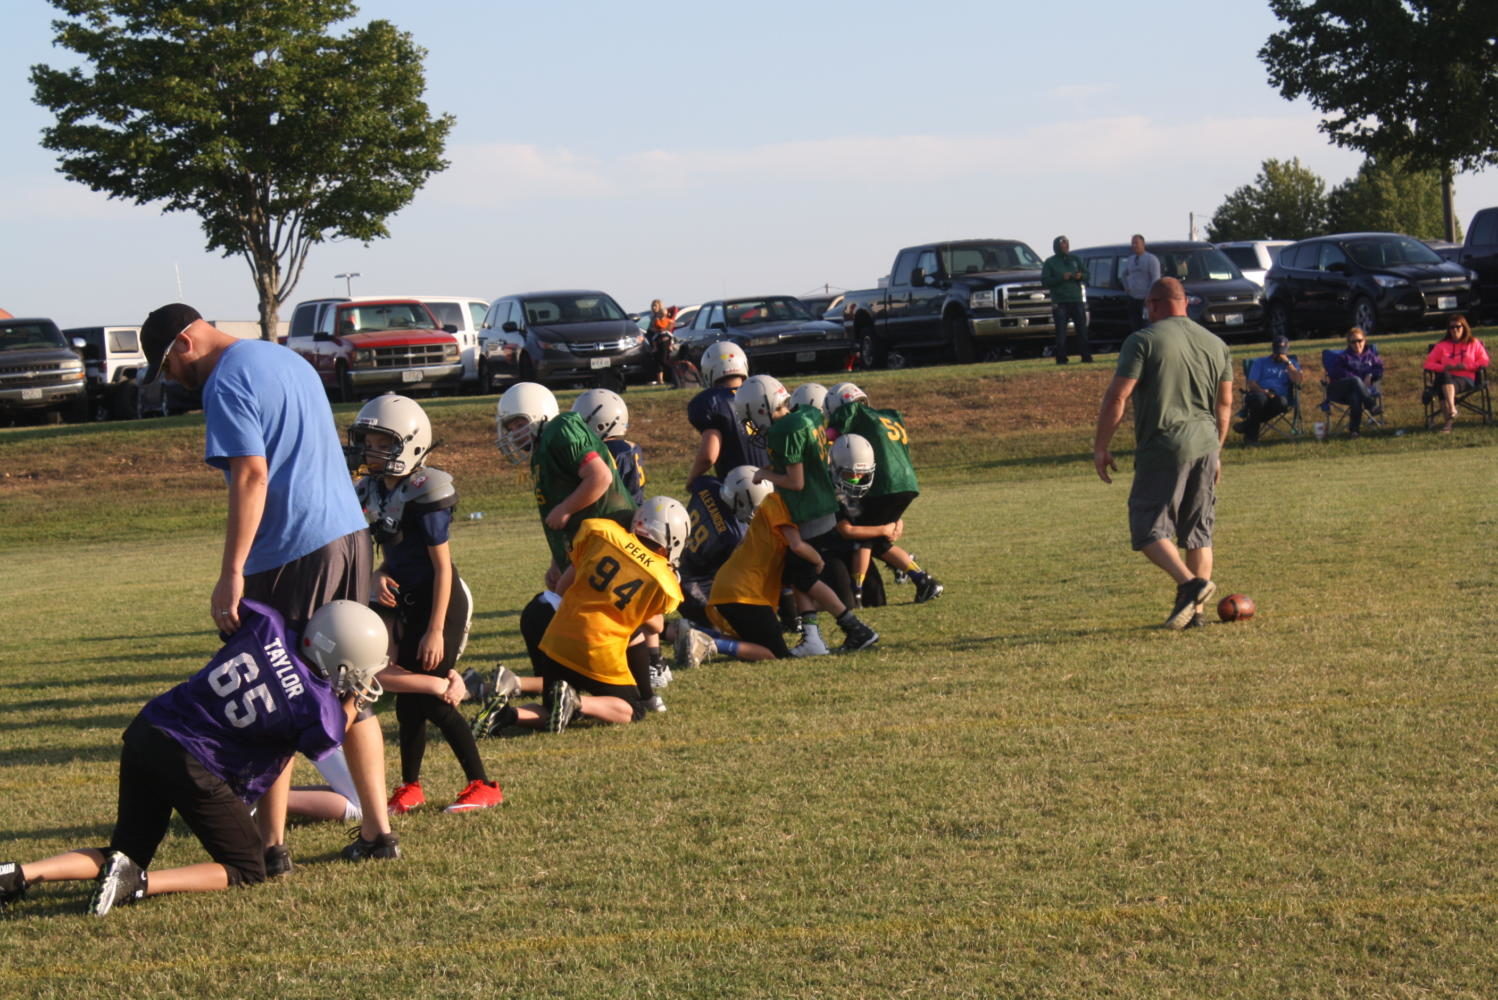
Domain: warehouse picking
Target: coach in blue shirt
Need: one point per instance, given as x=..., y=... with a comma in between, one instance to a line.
x=1268, y=390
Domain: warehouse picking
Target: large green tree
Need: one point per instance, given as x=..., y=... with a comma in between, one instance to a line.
x=1386, y=196
x=1286, y=201
x=1414, y=80
x=248, y=113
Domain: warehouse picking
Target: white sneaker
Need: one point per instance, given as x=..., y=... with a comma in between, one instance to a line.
x=660, y=676
x=655, y=704
x=811, y=644
x=693, y=647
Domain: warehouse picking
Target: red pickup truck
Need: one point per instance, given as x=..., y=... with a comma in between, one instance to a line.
x=367, y=347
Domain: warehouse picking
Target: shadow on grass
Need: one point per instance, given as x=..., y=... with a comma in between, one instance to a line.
x=92, y=722
x=93, y=835
x=109, y=680
x=63, y=755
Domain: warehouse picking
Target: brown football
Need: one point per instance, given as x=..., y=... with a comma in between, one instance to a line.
x=1236, y=608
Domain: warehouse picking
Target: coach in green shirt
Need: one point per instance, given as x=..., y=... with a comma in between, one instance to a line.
x=1180, y=377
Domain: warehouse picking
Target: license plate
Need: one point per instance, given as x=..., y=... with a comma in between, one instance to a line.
x=413, y=375
x=806, y=357
x=1233, y=319
x=596, y=363
x=1446, y=302
x=31, y=394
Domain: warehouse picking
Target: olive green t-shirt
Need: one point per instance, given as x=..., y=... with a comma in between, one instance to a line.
x=1179, y=365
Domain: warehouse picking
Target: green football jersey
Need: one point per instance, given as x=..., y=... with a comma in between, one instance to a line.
x=799, y=437
x=555, y=459
x=885, y=432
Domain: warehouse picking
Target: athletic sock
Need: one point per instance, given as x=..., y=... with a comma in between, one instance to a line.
x=728, y=647
x=918, y=576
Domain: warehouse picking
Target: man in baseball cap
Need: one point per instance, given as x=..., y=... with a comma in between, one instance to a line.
x=158, y=332
x=1270, y=391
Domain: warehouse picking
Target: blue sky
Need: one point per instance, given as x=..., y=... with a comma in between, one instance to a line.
x=691, y=150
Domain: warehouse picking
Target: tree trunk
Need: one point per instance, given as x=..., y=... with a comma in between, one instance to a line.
x=1448, y=202
x=267, y=276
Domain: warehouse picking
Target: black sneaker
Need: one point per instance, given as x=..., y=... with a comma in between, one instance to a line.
x=1190, y=596
x=121, y=881
x=277, y=861
x=13, y=884
x=858, y=636
x=928, y=589
x=564, y=705
x=385, y=847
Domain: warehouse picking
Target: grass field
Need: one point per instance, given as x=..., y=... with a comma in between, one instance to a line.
x=1027, y=790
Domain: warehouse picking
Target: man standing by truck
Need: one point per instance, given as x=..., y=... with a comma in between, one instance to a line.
x=1139, y=272
x=1064, y=274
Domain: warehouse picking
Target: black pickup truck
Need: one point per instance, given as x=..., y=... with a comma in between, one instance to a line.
x=964, y=300
x=1479, y=254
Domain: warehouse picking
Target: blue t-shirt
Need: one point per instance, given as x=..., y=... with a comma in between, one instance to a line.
x=265, y=399
x=253, y=706
x=1271, y=374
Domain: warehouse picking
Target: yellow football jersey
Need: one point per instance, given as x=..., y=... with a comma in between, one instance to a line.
x=752, y=573
x=618, y=584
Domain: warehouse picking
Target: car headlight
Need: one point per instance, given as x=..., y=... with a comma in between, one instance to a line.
x=362, y=359
x=73, y=374
x=1194, y=300
x=450, y=352
x=1389, y=281
x=548, y=345
x=769, y=341
x=981, y=300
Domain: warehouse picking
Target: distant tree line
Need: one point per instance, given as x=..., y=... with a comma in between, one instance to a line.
x=1288, y=201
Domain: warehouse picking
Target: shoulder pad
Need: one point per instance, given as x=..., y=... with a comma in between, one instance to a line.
x=431, y=488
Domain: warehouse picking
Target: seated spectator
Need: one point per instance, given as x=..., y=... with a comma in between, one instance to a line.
x=1268, y=390
x=1455, y=361
x=1352, y=378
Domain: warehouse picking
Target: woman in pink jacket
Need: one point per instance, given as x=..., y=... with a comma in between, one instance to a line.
x=1455, y=360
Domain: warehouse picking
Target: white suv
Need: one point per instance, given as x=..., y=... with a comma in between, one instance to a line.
x=1254, y=257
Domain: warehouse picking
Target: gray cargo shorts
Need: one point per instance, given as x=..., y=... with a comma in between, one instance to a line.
x=1179, y=503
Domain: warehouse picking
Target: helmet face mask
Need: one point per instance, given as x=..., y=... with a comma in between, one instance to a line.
x=520, y=416
x=853, y=467
x=663, y=521
x=347, y=642
x=757, y=400
x=604, y=410
x=404, y=427
x=742, y=494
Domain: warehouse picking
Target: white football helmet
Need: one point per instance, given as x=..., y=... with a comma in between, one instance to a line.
x=757, y=399
x=742, y=494
x=605, y=412
x=721, y=360
x=530, y=400
x=810, y=394
x=852, y=462
x=401, y=418
x=843, y=392
x=665, y=522
x=347, y=641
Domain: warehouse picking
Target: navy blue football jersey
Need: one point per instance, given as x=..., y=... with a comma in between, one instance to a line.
x=712, y=409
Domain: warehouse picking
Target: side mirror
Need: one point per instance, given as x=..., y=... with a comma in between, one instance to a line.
x=510, y=327
x=449, y=328
x=79, y=344
x=917, y=278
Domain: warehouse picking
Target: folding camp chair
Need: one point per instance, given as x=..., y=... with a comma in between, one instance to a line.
x=1287, y=423
x=1337, y=413
x=1478, y=399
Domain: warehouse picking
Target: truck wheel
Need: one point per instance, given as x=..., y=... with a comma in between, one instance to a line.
x=960, y=336
x=346, y=393
x=527, y=369
x=870, y=352
x=1364, y=315
x=486, y=379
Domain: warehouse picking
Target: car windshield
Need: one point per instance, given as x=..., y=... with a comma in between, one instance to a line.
x=29, y=336
x=1197, y=265
x=1390, y=251
x=447, y=313
x=557, y=310
x=1243, y=257
x=979, y=258
x=779, y=309
x=387, y=316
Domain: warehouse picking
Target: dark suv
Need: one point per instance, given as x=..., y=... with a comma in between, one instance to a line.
x=40, y=374
x=1377, y=281
x=1218, y=296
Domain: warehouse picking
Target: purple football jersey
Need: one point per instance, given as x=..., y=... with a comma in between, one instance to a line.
x=252, y=707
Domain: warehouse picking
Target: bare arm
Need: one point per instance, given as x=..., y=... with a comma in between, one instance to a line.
x=248, y=482
x=1110, y=414
x=596, y=479
x=430, y=651
x=1224, y=411
x=798, y=545
x=793, y=478
x=708, y=449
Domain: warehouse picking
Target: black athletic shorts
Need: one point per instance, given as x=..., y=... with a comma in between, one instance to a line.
x=158, y=775
x=756, y=623
x=551, y=670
